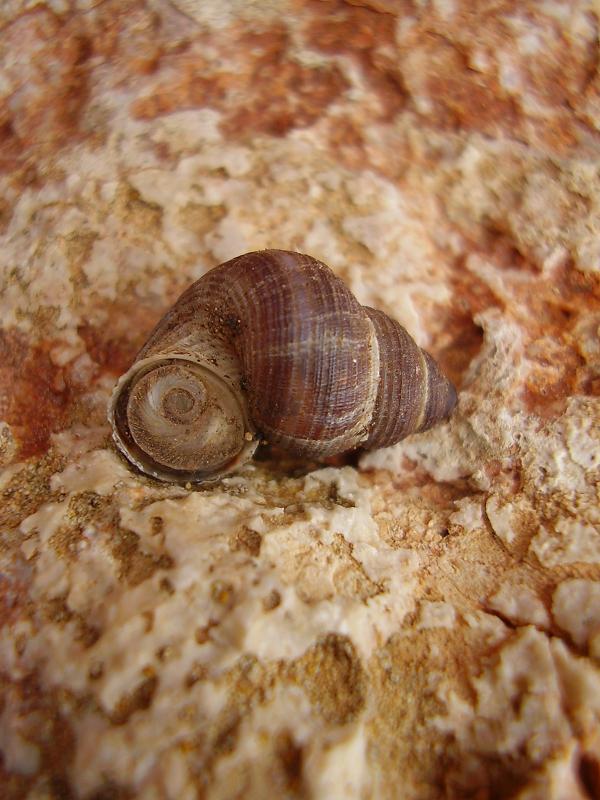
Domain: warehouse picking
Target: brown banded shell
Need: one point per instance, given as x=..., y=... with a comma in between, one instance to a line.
x=271, y=344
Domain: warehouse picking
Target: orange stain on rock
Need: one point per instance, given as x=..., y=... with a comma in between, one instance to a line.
x=50, y=63
x=113, y=354
x=38, y=397
x=367, y=36
x=457, y=97
x=45, y=64
x=558, y=369
x=34, y=398
x=256, y=85
x=409, y=61
x=547, y=310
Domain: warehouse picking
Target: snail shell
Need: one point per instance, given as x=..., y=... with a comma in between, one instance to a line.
x=271, y=344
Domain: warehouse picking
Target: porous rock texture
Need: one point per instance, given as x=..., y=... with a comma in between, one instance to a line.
x=422, y=622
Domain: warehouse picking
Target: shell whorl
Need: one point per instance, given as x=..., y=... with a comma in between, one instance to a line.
x=410, y=381
x=271, y=342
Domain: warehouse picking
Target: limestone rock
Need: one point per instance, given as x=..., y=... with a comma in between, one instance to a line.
x=421, y=623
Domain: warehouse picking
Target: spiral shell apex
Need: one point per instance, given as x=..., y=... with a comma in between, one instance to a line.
x=271, y=344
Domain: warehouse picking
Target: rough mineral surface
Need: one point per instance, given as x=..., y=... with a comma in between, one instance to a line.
x=421, y=623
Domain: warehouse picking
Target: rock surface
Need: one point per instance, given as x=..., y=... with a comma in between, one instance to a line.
x=422, y=624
